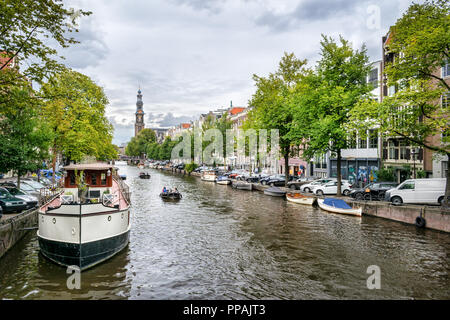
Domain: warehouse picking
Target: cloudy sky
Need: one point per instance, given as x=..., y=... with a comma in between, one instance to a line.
x=192, y=56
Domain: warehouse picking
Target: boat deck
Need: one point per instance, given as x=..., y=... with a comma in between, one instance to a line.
x=119, y=200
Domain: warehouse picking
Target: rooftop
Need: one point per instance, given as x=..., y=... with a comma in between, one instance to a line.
x=89, y=166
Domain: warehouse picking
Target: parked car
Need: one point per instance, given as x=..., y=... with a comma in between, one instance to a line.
x=310, y=186
x=34, y=184
x=23, y=187
x=424, y=191
x=297, y=183
x=276, y=180
x=331, y=188
x=235, y=173
x=373, y=191
x=9, y=203
x=32, y=201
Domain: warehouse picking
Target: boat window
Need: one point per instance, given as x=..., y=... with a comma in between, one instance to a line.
x=93, y=178
x=407, y=186
x=72, y=179
x=103, y=178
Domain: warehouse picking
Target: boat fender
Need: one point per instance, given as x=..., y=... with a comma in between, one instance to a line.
x=420, y=222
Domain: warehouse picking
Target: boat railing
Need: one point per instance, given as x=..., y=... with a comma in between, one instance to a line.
x=124, y=190
x=48, y=194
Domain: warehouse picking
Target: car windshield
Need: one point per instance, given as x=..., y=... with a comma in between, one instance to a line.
x=15, y=191
x=26, y=187
x=3, y=193
x=34, y=184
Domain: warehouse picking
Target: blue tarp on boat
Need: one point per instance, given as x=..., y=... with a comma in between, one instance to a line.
x=337, y=203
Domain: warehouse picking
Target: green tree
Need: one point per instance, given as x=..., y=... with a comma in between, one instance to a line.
x=26, y=26
x=75, y=111
x=271, y=107
x=24, y=140
x=140, y=144
x=419, y=42
x=325, y=99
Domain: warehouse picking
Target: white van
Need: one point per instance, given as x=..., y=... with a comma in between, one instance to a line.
x=424, y=191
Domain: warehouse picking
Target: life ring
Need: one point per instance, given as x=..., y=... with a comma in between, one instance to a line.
x=420, y=222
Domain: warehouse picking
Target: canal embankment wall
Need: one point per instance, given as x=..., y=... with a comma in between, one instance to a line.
x=435, y=217
x=15, y=227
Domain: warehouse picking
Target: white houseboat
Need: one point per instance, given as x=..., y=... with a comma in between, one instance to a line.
x=88, y=223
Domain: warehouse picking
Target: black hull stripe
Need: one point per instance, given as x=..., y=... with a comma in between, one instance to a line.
x=92, y=253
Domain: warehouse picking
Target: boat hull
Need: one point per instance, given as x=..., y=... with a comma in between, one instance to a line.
x=274, y=194
x=84, y=255
x=353, y=212
x=301, y=200
x=223, y=182
x=243, y=186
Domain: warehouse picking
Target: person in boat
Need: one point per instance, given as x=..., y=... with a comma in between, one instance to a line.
x=164, y=190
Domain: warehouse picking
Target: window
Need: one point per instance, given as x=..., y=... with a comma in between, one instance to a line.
x=72, y=179
x=352, y=141
x=446, y=100
x=373, y=139
x=362, y=142
x=103, y=178
x=373, y=78
x=407, y=186
x=93, y=179
x=446, y=69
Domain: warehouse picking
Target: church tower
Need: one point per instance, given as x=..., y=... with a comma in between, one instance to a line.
x=139, y=125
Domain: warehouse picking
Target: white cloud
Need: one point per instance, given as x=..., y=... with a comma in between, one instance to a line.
x=192, y=56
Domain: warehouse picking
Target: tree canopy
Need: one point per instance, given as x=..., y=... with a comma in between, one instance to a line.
x=74, y=108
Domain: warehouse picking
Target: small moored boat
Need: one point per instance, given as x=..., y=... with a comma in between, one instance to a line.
x=241, y=185
x=338, y=206
x=171, y=195
x=144, y=175
x=209, y=176
x=299, y=198
x=274, y=192
x=223, y=180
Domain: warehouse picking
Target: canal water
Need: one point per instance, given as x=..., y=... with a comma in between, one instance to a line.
x=221, y=243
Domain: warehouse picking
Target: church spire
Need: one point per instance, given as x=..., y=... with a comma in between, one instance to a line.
x=139, y=125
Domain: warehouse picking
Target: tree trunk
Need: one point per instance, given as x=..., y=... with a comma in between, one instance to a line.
x=18, y=179
x=445, y=204
x=339, y=178
x=286, y=166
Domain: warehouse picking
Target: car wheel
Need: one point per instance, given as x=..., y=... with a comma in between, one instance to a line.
x=307, y=189
x=381, y=196
x=292, y=187
x=264, y=183
x=359, y=196
x=319, y=192
x=396, y=201
x=441, y=200
x=272, y=184
x=346, y=192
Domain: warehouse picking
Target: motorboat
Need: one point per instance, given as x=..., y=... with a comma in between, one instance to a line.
x=144, y=175
x=210, y=176
x=274, y=192
x=338, y=206
x=299, y=198
x=223, y=180
x=171, y=195
x=88, y=222
x=242, y=185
